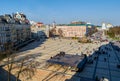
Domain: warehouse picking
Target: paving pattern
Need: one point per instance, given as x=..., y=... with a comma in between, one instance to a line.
x=51, y=47
x=100, y=67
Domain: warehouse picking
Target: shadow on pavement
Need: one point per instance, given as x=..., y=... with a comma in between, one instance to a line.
x=104, y=53
x=4, y=75
x=33, y=45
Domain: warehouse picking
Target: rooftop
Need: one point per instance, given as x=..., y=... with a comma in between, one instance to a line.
x=76, y=25
x=67, y=60
x=79, y=25
x=14, y=19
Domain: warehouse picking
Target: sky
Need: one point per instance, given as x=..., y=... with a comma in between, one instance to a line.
x=65, y=11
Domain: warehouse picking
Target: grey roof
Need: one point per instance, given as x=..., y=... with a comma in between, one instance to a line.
x=67, y=60
x=7, y=18
x=3, y=75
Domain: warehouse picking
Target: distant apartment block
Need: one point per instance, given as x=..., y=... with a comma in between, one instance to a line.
x=14, y=30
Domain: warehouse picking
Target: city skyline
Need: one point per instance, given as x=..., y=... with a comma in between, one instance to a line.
x=65, y=11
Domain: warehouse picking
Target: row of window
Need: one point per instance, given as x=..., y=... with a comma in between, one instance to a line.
x=2, y=34
x=7, y=28
x=75, y=32
x=4, y=28
x=3, y=39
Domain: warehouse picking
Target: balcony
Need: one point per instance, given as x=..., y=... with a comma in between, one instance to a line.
x=7, y=29
x=8, y=41
x=8, y=35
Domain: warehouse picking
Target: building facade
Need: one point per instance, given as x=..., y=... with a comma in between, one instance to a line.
x=14, y=30
x=106, y=26
x=75, y=30
x=38, y=31
x=39, y=24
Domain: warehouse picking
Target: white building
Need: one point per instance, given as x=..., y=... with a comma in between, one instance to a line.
x=106, y=26
x=103, y=26
x=109, y=25
x=38, y=32
x=13, y=33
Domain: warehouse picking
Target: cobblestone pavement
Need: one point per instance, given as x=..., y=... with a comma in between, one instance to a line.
x=50, y=47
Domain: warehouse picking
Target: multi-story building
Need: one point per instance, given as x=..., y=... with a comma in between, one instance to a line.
x=38, y=30
x=39, y=24
x=14, y=30
x=106, y=26
x=75, y=30
x=78, y=22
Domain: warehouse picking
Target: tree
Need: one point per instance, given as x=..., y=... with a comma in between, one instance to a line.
x=52, y=32
x=114, y=32
x=26, y=69
x=10, y=61
x=60, y=32
x=21, y=66
x=9, y=58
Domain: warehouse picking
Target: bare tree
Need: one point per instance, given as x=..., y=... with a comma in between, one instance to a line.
x=10, y=60
x=22, y=66
x=52, y=32
x=114, y=32
x=60, y=32
x=26, y=69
